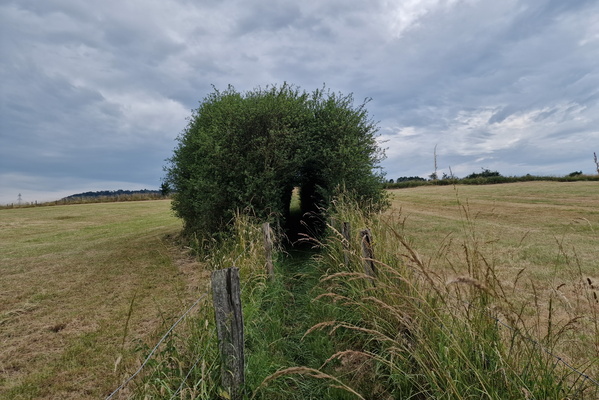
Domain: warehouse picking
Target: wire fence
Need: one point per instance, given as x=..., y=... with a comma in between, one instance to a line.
x=195, y=364
x=149, y=357
x=488, y=312
x=155, y=348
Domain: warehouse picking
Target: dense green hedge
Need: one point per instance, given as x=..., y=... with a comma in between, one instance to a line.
x=249, y=150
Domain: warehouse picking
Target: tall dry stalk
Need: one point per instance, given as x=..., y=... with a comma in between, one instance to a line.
x=429, y=334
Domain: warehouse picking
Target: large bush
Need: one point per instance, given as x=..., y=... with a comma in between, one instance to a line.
x=249, y=150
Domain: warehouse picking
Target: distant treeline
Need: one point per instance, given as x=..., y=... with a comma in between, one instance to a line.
x=102, y=196
x=114, y=193
x=484, y=178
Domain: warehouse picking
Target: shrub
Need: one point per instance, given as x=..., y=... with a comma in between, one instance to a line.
x=485, y=174
x=249, y=150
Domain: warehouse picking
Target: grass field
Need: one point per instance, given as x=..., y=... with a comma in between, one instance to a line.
x=69, y=277
x=475, y=285
x=541, y=238
x=84, y=285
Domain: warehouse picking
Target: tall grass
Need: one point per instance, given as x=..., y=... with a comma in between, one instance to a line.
x=435, y=326
x=426, y=333
x=187, y=365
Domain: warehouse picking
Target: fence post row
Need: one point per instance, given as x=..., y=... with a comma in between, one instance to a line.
x=226, y=294
x=268, y=246
x=368, y=253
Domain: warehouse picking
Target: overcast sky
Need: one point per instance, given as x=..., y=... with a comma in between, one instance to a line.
x=94, y=94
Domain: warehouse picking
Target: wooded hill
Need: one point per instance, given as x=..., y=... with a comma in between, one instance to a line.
x=112, y=193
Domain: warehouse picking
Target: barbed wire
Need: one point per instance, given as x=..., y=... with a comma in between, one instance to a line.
x=186, y=377
x=155, y=348
x=162, y=340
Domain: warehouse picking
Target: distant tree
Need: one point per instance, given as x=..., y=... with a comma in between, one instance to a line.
x=165, y=189
x=596, y=162
x=251, y=149
x=111, y=193
x=575, y=173
x=410, y=178
x=485, y=174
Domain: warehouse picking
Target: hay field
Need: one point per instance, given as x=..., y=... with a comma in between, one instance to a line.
x=83, y=285
x=70, y=277
x=541, y=239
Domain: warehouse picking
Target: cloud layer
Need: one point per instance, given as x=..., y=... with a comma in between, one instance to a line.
x=93, y=95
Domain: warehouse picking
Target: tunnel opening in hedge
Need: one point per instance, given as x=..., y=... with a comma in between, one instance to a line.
x=250, y=150
x=305, y=215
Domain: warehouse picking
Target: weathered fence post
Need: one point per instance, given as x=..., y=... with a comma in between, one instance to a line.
x=270, y=270
x=226, y=295
x=333, y=222
x=368, y=253
x=346, y=232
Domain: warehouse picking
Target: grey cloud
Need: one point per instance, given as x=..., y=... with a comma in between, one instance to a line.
x=270, y=17
x=502, y=114
x=98, y=92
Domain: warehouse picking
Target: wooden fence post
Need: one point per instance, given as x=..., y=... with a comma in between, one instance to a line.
x=368, y=253
x=346, y=232
x=226, y=295
x=270, y=270
x=333, y=222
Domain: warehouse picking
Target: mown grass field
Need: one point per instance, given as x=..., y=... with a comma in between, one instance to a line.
x=541, y=238
x=70, y=277
x=83, y=285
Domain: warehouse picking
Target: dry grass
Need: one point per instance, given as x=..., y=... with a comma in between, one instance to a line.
x=311, y=373
x=82, y=286
x=539, y=239
x=455, y=265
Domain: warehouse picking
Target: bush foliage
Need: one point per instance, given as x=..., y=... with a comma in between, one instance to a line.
x=249, y=150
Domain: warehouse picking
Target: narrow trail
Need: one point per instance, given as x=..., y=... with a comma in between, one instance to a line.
x=300, y=276
x=289, y=311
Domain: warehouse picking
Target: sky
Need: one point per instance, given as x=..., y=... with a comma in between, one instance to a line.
x=94, y=94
